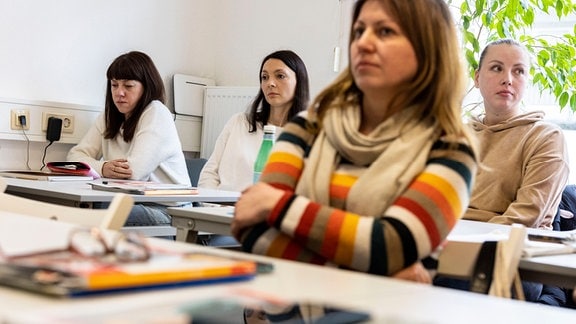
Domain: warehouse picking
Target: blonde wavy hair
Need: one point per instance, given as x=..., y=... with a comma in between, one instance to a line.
x=439, y=85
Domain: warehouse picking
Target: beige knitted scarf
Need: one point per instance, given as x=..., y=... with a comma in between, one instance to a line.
x=395, y=152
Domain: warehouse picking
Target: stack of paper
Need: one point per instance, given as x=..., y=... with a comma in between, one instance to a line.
x=144, y=187
x=45, y=176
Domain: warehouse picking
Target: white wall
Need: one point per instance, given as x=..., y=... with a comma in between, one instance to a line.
x=57, y=51
x=249, y=30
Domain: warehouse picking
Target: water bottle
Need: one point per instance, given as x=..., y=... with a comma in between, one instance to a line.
x=264, y=152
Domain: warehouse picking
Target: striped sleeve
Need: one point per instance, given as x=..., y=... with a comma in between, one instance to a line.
x=286, y=160
x=409, y=230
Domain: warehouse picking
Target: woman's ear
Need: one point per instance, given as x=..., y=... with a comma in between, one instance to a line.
x=476, y=74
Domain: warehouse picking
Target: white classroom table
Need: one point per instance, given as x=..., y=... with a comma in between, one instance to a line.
x=387, y=300
x=80, y=193
x=559, y=270
x=191, y=220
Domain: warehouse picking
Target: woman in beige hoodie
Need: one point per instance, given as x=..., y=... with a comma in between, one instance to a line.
x=524, y=160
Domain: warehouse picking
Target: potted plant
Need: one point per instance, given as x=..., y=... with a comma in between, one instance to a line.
x=484, y=20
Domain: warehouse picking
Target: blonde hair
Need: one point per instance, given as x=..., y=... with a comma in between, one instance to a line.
x=502, y=41
x=439, y=85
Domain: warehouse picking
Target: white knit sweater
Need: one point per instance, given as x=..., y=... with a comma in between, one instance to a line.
x=154, y=154
x=231, y=165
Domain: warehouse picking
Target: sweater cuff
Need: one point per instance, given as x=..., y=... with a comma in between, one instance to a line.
x=277, y=214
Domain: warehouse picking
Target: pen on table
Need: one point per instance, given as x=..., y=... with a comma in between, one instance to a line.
x=546, y=238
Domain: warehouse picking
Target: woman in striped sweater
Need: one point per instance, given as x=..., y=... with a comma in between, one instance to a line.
x=376, y=173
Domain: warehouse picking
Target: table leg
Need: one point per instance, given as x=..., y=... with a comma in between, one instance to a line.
x=185, y=229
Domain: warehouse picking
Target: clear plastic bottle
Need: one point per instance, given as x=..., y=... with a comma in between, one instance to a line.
x=264, y=152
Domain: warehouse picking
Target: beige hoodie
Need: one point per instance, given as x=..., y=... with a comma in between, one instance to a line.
x=523, y=170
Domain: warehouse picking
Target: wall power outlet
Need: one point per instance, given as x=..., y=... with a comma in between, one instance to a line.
x=15, y=120
x=67, y=121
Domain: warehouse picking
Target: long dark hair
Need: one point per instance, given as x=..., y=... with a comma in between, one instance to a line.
x=260, y=109
x=131, y=66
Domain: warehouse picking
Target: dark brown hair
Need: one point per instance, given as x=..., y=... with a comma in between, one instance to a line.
x=260, y=109
x=131, y=66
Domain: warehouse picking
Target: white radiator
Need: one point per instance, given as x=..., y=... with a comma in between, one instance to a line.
x=220, y=103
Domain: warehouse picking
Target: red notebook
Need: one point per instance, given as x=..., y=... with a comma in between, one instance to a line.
x=72, y=168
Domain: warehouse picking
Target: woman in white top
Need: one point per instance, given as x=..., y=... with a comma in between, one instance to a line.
x=135, y=137
x=284, y=91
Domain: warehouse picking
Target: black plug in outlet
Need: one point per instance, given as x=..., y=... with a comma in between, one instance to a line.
x=54, y=129
x=22, y=120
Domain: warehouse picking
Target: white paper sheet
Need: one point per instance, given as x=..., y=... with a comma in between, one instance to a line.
x=21, y=234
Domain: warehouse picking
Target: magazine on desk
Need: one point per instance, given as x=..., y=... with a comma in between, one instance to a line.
x=69, y=274
x=44, y=176
x=545, y=242
x=135, y=187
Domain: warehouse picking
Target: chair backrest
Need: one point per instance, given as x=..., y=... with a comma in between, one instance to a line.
x=507, y=258
x=194, y=168
x=112, y=217
x=487, y=266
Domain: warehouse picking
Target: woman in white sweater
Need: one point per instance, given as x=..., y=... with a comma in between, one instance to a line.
x=284, y=92
x=135, y=137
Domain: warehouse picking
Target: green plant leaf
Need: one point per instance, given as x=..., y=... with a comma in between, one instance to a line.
x=559, y=8
x=563, y=99
x=479, y=6
x=555, y=70
x=529, y=17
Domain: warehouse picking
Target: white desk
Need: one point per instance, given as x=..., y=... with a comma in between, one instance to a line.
x=80, y=193
x=559, y=270
x=388, y=300
x=191, y=220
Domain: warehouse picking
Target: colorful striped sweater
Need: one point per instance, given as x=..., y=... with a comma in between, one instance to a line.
x=300, y=229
